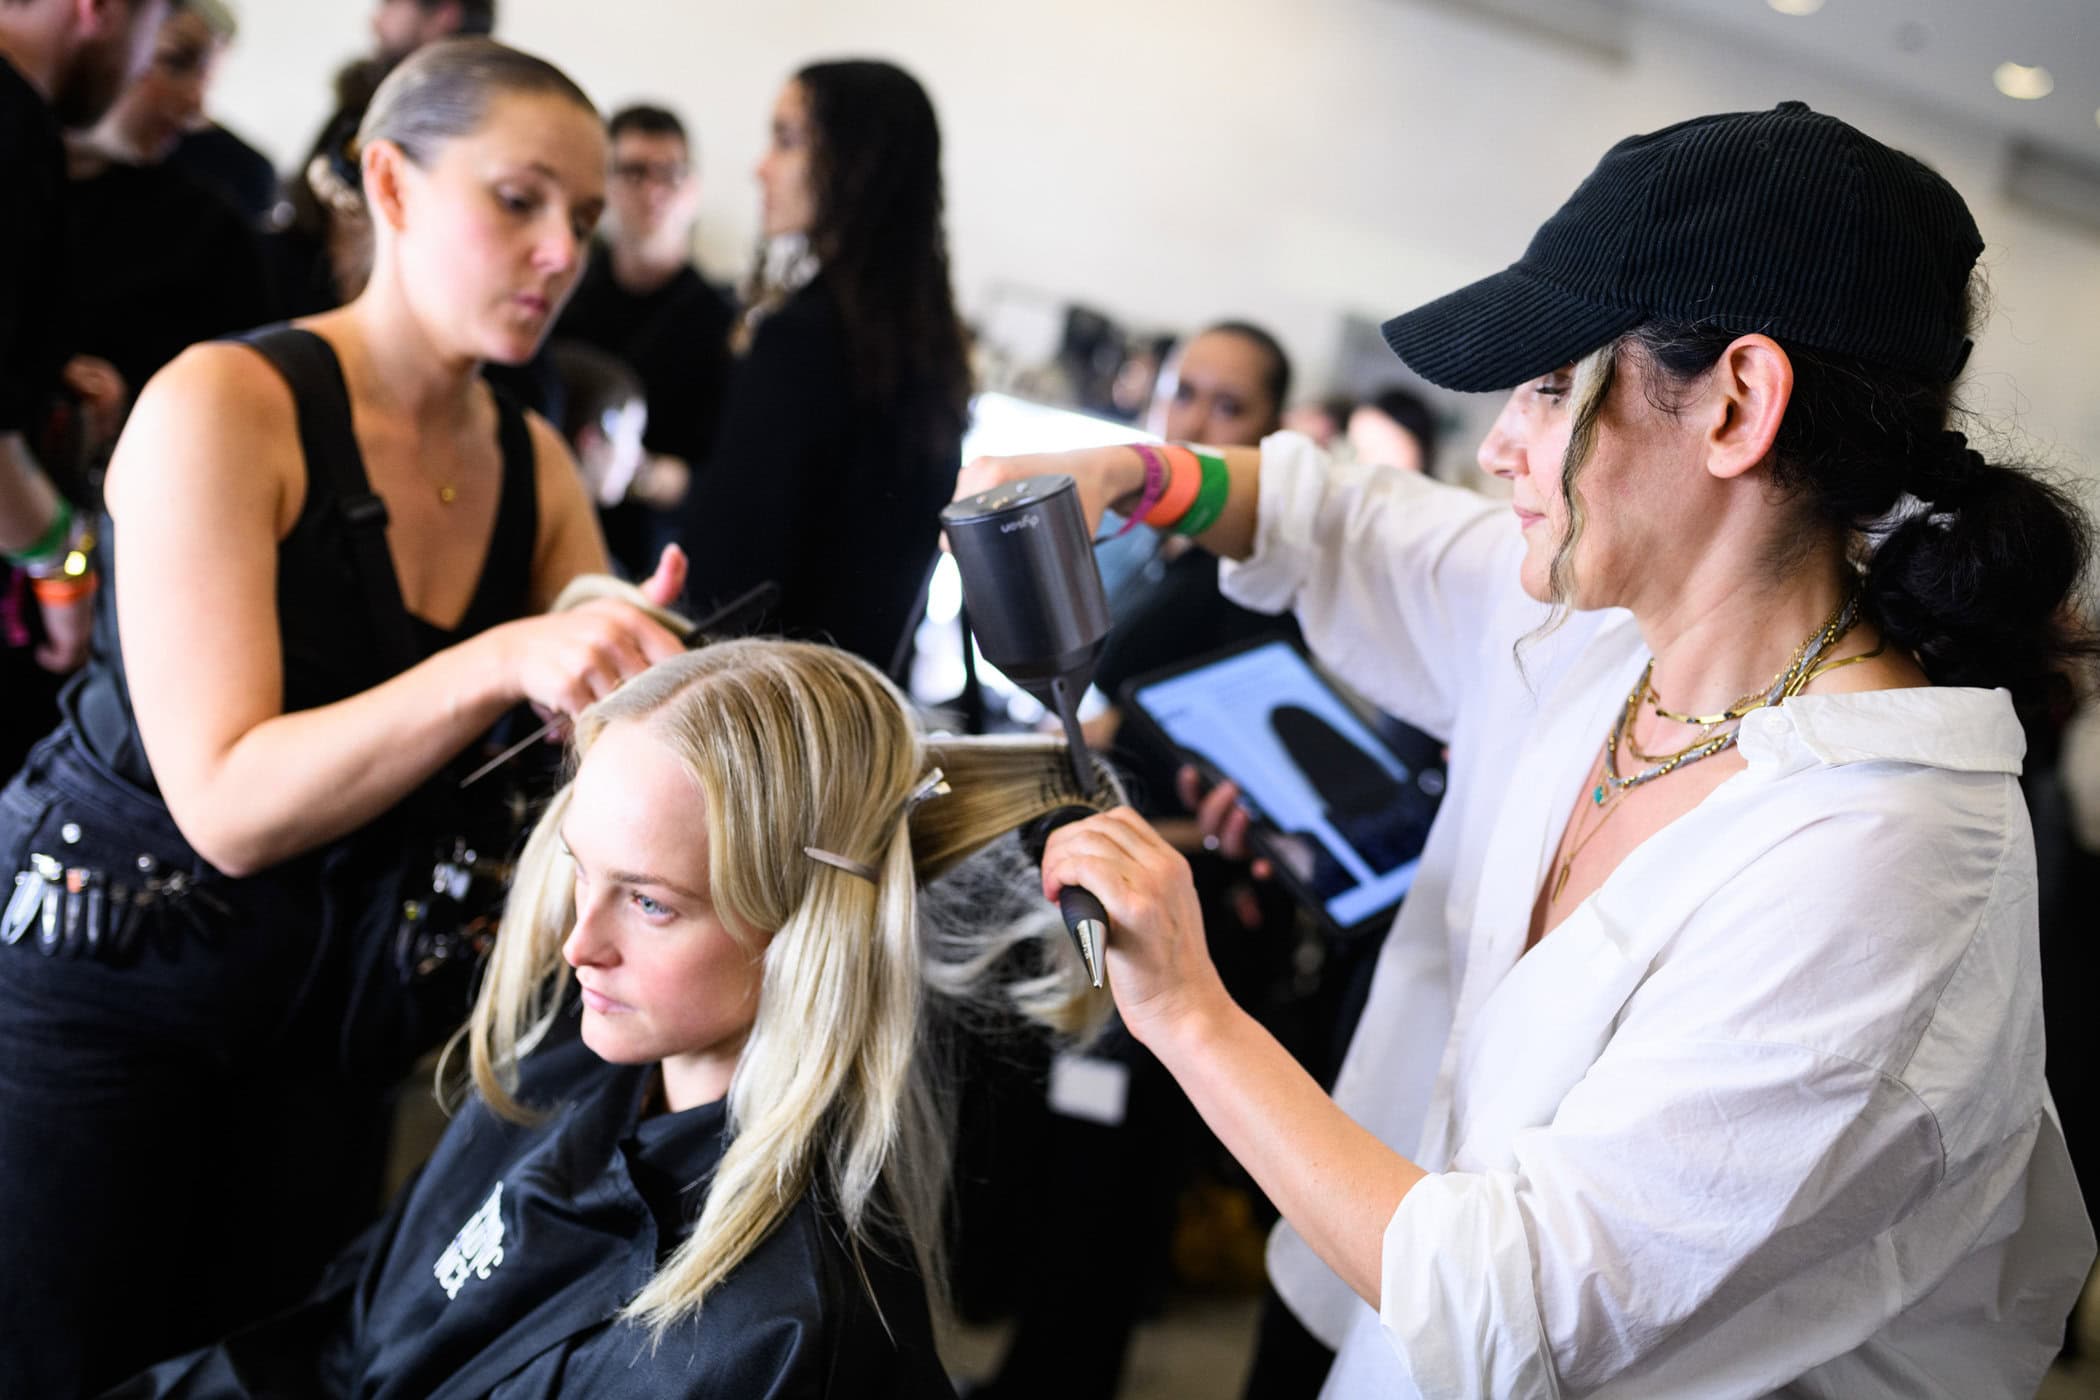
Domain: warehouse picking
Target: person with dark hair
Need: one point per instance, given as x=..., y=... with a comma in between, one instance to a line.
x=159, y=261
x=222, y=947
x=642, y=300
x=1705, y=1057
x=1394, y=428
x=842, y=430
x=60, y=66
x=1210, y=398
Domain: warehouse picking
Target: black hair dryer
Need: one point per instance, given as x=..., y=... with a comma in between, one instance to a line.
x=1036, y=604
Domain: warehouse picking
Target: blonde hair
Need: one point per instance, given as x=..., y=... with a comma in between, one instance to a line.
x=1588, y=388
x=444, y=90
x=797, y=745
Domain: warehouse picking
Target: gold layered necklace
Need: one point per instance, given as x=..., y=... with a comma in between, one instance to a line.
x=1802, y=668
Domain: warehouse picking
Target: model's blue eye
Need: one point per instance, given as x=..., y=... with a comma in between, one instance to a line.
x=649, y=907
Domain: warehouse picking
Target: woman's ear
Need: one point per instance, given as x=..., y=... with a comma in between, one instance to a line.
x=384, y=167
x=1750, y=387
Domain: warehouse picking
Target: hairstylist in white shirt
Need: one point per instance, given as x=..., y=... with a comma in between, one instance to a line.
x=1705, y=1058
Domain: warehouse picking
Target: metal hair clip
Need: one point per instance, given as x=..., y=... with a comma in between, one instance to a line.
x=839, y=862
x=933, y=785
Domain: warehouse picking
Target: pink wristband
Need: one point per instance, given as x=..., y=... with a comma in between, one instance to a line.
x=1156, y=476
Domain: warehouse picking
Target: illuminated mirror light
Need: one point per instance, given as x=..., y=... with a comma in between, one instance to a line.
x=2027, y=84
x=1796, y=7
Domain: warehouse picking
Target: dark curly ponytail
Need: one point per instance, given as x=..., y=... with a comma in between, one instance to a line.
x=1972, y=566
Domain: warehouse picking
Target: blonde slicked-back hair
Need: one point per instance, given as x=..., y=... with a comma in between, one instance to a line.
x=795, y=745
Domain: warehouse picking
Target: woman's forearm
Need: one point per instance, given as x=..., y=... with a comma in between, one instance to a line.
x=297, y=781
x=1336, y=1183
x=1232, y=535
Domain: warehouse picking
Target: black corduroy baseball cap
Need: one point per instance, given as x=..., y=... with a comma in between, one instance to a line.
x=1788, y=223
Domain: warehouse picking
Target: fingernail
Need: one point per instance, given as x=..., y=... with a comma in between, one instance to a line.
x=1211, y=841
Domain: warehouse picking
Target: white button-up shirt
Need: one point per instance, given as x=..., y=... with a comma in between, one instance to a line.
x=1765, y=1114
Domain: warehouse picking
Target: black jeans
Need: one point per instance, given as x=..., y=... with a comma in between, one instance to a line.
x=177, y=1152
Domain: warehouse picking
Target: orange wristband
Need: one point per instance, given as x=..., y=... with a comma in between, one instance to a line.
x=1184, y=480
x=62, y=588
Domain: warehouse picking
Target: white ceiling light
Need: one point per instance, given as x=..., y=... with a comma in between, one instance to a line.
x=2018, y=80
x=1796, y=7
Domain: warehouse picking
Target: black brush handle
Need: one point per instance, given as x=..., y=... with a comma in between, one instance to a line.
x=1078, y=904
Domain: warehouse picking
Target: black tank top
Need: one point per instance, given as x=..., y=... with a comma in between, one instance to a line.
x=333, y=647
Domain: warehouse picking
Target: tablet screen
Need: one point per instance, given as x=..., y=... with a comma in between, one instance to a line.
x=1339, y=808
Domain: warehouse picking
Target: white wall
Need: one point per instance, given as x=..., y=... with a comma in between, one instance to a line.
x=1176, y=160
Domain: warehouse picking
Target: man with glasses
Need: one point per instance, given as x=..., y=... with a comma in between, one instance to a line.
x=642, y=300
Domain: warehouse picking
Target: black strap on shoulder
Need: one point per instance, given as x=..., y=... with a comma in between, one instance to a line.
x=520, y=467
x=333, y=462
x=504, y=590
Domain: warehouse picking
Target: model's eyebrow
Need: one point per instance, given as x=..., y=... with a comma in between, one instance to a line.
x=634, y=877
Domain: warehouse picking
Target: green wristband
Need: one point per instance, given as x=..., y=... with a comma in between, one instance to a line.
x=52, y=542
x=1209, y=504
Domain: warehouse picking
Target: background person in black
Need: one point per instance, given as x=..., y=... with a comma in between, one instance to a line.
x=842, y=432
x=59, y=65
x=665, y=1185
x=159, y=261
x=187, y=1126
x=321, y=254
x=642, y=299
x=214, y=156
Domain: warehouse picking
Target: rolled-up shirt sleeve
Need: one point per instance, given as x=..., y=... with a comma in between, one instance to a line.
x=1678, y=1183
x=1402, y=584
x=1748, y=1123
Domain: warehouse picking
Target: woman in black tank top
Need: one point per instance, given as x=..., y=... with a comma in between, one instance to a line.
x=335, y=546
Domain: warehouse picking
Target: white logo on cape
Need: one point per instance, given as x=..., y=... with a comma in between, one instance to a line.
x=476, y=1249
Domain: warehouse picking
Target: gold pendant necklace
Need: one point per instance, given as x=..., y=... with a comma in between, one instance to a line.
x=1822, y=639
x=1608, y=795
x=1567, y=864
x=1801, y=670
